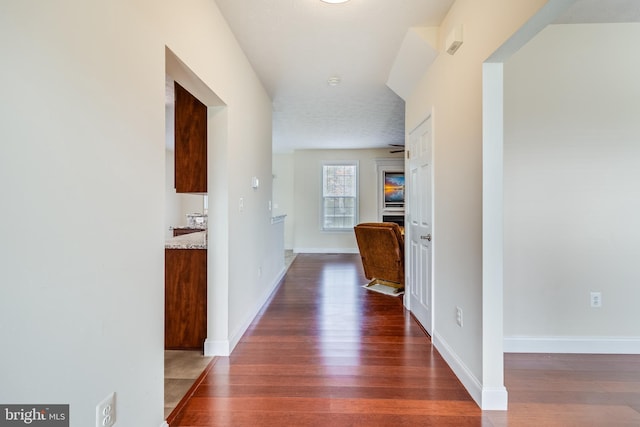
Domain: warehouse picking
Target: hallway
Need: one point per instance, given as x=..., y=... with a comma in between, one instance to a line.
x=326, y=352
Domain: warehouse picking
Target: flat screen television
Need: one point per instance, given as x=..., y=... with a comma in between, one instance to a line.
x=393, y=190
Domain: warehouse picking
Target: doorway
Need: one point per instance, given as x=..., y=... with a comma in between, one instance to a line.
x=183, y=367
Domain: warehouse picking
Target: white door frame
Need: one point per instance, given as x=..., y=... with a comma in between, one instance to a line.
x=407, y=296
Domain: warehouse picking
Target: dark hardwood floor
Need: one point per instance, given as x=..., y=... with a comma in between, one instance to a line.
x=560, y=390
x=326, y=352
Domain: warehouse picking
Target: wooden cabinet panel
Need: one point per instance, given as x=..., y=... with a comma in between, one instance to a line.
x=185, y=317
x=183, y=231
x=190, y=143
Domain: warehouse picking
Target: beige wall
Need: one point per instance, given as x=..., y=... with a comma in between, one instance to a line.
x=572, y=149
x=83, y=157
x=307, y=186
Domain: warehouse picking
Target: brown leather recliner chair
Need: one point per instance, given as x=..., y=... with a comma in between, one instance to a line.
x=381, y=246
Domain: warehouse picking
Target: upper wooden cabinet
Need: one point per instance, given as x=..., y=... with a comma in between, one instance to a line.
x=190, y=143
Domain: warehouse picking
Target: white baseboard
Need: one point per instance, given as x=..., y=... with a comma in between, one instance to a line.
x=494, y=399
x=567, y=344
x=488, y=399
x=216, y=347
x=236, y=335
x=225, y=347
x=326, y=250
x=468, y=380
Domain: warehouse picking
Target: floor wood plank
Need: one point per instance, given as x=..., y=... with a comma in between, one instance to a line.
x=326, y=352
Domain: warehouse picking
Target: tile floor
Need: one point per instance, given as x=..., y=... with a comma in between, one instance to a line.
x=181, y=369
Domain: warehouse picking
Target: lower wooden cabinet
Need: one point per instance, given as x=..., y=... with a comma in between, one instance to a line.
x=185, y=315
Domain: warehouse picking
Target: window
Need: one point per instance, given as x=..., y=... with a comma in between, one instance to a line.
x=339, y=196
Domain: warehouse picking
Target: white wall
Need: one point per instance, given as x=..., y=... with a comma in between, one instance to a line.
x=307, y=194
x=83, y=160
x=572, y=193
x=452, y=90
x=283, y=200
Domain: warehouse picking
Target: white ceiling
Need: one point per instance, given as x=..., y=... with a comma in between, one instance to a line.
x=295, y=46
x=601, y=11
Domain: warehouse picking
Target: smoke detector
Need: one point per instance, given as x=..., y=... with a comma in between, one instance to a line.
x=454, y=40
x=334, y=81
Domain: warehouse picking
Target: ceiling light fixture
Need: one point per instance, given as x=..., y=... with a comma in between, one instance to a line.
x=335, y=1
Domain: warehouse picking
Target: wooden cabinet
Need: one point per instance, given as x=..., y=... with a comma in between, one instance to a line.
x=183, y=231
x=185, y=316
x=190, y=143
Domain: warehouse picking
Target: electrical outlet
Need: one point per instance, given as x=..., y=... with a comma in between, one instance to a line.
x=106, y=411
x=596, y=299
x=459, y=316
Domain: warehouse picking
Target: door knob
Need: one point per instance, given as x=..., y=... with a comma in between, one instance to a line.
x=427, y=237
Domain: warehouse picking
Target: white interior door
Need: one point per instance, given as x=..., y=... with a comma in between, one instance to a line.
x=418, y=224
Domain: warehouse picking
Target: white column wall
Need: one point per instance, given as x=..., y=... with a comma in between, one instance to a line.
x=452, y=90
x=283, y=196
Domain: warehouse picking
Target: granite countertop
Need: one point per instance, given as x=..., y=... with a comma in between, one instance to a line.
x=188, y=241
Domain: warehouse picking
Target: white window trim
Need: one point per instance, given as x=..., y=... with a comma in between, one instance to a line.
x=324, y=163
